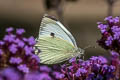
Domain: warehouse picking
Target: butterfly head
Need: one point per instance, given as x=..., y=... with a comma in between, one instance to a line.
x=80, y=52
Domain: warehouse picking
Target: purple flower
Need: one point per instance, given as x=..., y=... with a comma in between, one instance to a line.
x=13, y=48
x=61, y=76
x=23, y=68
x=115, y=55
x=72, y=60
x=45, y=69
x=45, y=76
x=19, y=53
x=115, y=29
x=11, y=74
x=25, y=39
x=15, y=60
x=102, y=27
x=20, y=31
x=2, y=43
x=116, y=19
x=58, y=75
x=1, y=51
x=117, y=36
x=80, y=71
x=63, y=66
x=32, y=76
x=102, y=60
x=10, y=29
x=109, y=19
x=91, y=76
x=111, y=68
x=86, y=63
x=20, y=43
x=70, y=67
x=94, y=58
x=96, y=67
x=9, y=38
x=78, y=74
x=28, y=50
x=34, y=56
x=104, y=68
x=109, y=40
x=80, y=61
x=31, y=41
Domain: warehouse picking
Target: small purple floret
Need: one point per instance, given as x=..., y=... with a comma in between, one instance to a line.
x=57, y=75
x=28, y=50
x=20, y=31
x=20, y=43
x=32, y=76
x=45, y=69
x=10, y=29
x=116, y=19
x=109, y=19
x=9, y=38
x=109, y=40
x=45, y=76
x=34, y=56
x=31, y=41
x=61, y=76
x=15, y=60
x=13, y=48
x=79, y=71
x=23, y=68
x=2, y=43
x=72, y=60
x=102, y=27
x=11, y=74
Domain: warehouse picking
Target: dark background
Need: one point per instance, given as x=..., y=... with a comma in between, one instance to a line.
x=80, y=18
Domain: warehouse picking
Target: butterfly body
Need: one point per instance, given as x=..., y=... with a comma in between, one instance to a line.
x=59, y=47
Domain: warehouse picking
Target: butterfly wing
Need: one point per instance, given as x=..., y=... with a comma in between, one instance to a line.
x=51, y=25
x=54, y=50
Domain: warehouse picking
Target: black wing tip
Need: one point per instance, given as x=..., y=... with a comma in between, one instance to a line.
x=51, y=17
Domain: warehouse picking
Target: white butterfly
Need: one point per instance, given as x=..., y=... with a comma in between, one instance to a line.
x=55, y=42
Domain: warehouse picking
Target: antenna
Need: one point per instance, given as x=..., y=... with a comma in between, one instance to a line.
x=89, y=46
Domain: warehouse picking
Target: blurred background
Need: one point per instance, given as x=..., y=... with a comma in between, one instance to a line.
x=78, y=16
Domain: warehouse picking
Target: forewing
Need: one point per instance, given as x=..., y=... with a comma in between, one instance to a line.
x=54, y=50
x=51, y=25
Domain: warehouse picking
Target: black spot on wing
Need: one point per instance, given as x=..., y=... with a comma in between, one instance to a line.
x=52, y=34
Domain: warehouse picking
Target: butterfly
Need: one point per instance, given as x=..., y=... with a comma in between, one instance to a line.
x=55, y=42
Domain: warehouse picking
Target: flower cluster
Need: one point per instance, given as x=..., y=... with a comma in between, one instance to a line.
x=18, y=60
x=17, y=51
x=96, y=68
x=110, y=31
x=43, y=73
